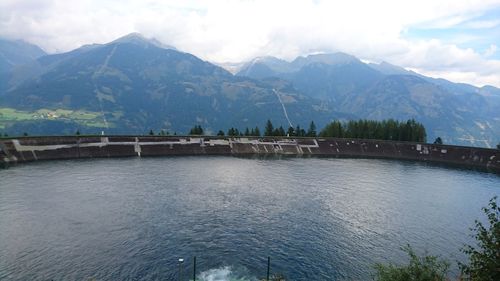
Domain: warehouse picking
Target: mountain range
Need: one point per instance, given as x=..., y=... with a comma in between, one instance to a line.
x=134, y=84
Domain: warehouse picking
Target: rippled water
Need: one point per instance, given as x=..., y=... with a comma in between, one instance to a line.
x=318, y=219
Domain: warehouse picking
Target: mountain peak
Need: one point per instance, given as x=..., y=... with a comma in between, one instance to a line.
x=139, y=39
x=338, y=58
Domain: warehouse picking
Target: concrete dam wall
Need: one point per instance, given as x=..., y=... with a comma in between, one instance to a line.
x=27, y=149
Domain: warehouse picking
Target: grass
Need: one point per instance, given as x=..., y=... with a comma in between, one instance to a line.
x=82, y=117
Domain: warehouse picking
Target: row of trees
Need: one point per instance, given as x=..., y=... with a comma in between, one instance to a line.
x=269, y=131
x=371, y=129
x=364, y=129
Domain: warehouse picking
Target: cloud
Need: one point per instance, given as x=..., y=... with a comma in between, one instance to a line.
x=237, y=30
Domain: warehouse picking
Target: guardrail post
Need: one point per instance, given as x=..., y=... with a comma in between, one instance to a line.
x=194, y=269
x=268, y=267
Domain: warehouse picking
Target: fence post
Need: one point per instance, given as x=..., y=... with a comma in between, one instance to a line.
x=180, y=269
x=194, y=269
x=268, y=267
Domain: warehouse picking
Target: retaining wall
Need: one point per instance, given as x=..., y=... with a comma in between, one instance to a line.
x=26, y=149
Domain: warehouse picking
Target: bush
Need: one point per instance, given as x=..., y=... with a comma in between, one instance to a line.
x=425, y=268
x=484, y=261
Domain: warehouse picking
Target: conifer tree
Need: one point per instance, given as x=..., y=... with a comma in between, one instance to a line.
x=257, y=132
x=269, y=130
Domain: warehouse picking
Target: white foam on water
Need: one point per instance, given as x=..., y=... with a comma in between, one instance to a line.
x=226, y=273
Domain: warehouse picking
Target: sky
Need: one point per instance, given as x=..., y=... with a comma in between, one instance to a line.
x=454, y=39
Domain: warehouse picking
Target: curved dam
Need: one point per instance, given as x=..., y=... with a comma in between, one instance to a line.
x=28, y=149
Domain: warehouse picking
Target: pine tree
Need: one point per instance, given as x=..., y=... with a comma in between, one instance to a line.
x=290, y=132
x=151, y=133
x=220, y=133
x=257, y=132
x=269, y=130
x=312, y=130
x=196, y=130
x=281, y=131
x=438, y=141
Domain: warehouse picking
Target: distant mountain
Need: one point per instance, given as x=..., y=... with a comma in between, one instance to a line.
x=14, y=54
x=18, y=52
x=458, y=113
x=133, y=84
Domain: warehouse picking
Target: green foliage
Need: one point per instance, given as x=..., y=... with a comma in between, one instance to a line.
x=498, y=145
x=220, y=133
x=438, y=141
x=77, y=132
x=269, y=128
x=371, y=129
x=233, y=132
x=425, y=268
x=484, y=259
x=311, y=132
x=196, y=130
x=151, y=133
x=299, y=132
x=279, y=132
x=256, y=132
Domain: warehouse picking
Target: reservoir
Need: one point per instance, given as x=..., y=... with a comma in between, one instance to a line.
x=317, y=218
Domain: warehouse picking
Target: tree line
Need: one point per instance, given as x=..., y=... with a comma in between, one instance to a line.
x=362, y=129
x=383, y=130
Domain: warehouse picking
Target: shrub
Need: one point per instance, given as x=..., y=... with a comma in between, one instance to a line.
x=484, y=259
x=425, y=268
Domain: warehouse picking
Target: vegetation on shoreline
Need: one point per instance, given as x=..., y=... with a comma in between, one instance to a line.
x=483, y=263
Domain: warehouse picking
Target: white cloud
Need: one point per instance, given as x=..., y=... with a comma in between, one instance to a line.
x=232, y=30
x=490, y=51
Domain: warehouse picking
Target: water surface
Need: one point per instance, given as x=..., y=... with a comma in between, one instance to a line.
x=318, y=219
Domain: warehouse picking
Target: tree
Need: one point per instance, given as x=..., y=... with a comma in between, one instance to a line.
x=77, y=132
x=247, y=132
x=438, y=141
x=196, y=130
x=498, y=145
x=299, y=132
x=425, y=268
x=257, y=132
x=25, y=134
x=290, y=132
x=220, y=133
x=280, y=131
x=232, y=132
x=312, y=130
x=484, y=257
x=151, y=133
x=269, y=130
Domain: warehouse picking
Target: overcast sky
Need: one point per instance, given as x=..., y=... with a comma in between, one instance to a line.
x=456, y=39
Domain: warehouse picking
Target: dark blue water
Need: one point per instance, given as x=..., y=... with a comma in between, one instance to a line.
x=318, y=219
